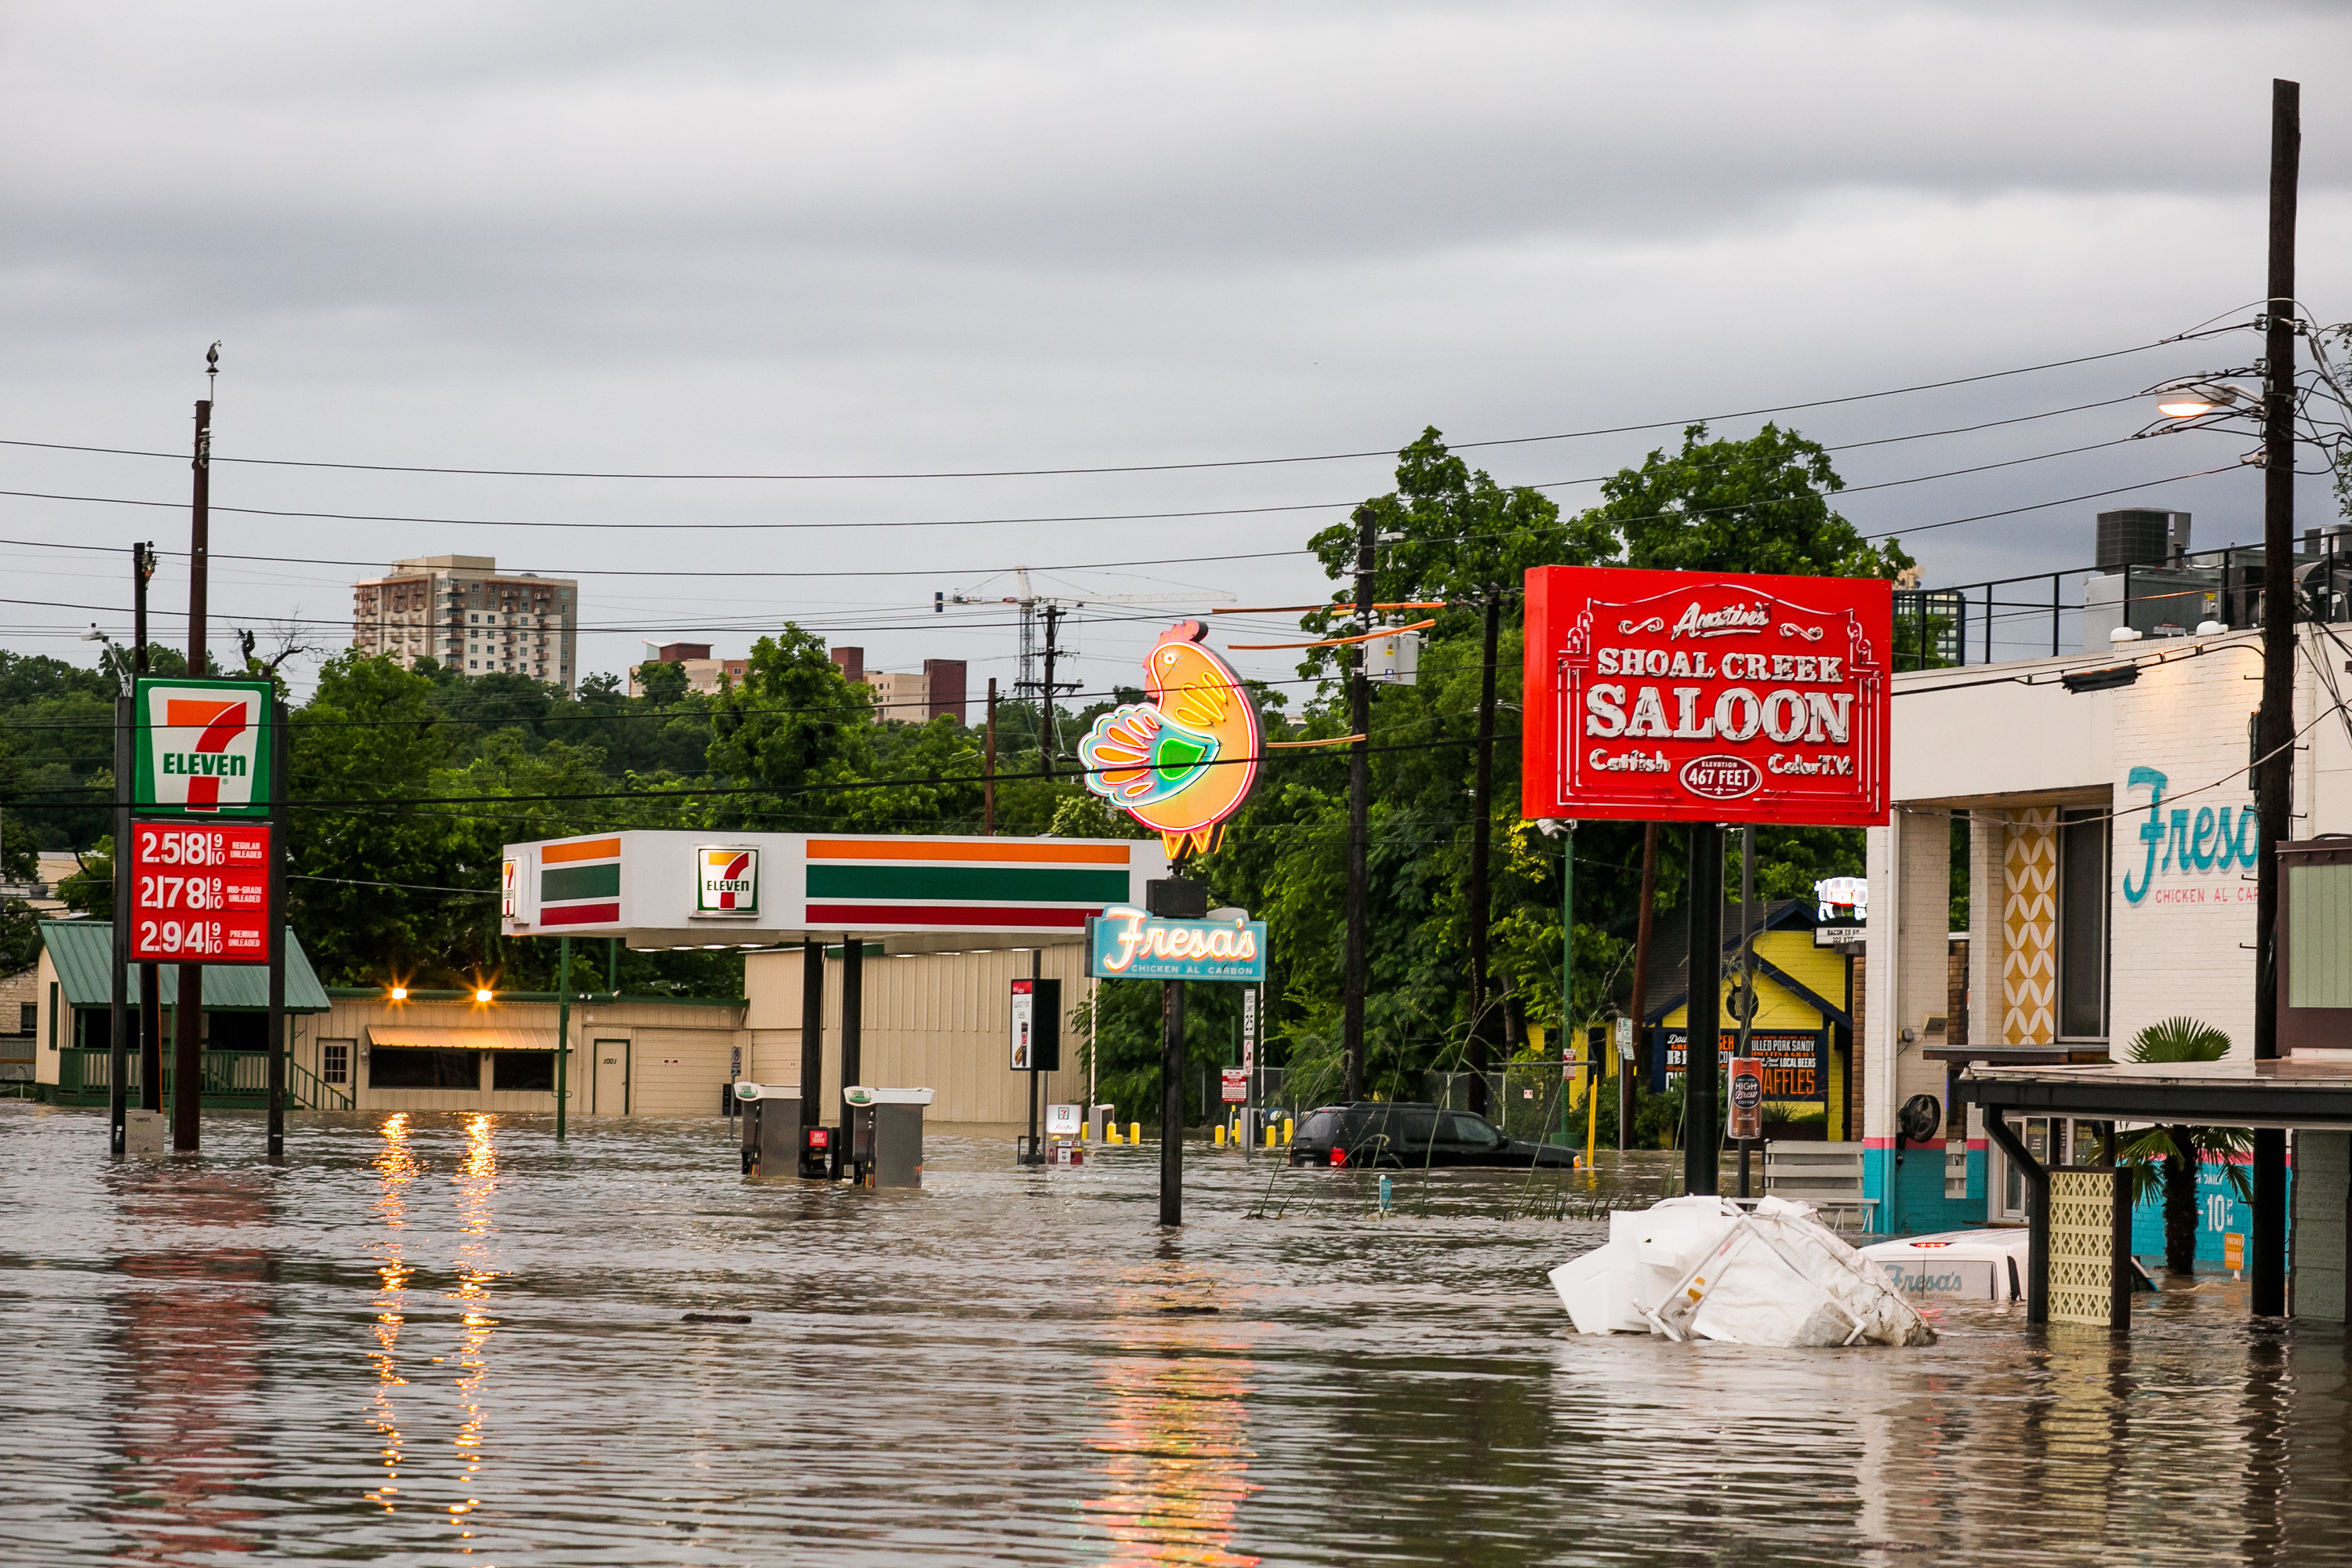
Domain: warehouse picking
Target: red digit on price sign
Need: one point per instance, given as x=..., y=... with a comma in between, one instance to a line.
x=200, y=892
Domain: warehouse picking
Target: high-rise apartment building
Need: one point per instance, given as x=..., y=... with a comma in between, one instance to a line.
x=461, y=611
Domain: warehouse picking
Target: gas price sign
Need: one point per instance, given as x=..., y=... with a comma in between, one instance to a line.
x=1707, y=697
x=200, y=892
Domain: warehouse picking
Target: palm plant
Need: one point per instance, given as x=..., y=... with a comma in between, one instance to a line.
x=2170, y=1156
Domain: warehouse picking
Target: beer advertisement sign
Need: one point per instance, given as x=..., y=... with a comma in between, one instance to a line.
x=202, y=746
x=1707, y=697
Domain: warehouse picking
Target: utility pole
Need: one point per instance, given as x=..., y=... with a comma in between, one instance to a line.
x=151, y=975
x=1360, y=807
x=988, y=768
x=1640, y=1000
x=1481, y=827
x=2275, y=725
x=1704, y=1009
x=1046, y=697
x=188, y=1012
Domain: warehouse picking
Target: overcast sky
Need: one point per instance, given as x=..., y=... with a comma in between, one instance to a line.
x=689, y=239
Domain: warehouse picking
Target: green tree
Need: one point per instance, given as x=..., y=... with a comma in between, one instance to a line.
x=2170, y=1157
x=795, y=725
x=1757, y=505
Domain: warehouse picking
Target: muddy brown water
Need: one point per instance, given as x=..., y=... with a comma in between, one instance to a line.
x=444, y=1339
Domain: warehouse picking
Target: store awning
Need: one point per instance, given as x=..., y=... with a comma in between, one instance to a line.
x=481, y=1038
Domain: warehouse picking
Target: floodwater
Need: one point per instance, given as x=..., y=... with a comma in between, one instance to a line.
x=445, y=1339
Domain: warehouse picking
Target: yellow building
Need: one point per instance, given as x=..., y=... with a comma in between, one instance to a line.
x=1804, y=1026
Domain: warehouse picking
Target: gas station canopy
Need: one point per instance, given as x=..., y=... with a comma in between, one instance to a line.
x=913, y=894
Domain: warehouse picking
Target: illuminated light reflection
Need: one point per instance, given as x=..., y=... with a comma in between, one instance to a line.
x=395, y=1168
x=477, y=1181
x=1176, y=1462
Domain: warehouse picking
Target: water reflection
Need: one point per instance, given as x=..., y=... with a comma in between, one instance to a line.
x=1173, y=1428
x=477, y=1183
x=395, y=1169
x=188, y=1320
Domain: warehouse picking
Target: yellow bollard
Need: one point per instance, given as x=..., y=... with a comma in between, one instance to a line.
x=1272, y=1133
x=1135, y=1131
x=1286, y=1129
x=1219, y=1133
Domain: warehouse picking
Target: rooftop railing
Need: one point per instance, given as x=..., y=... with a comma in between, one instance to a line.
x=2037, y=617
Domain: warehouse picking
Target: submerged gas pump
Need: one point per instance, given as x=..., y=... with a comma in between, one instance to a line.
x=885, y=1136
x=771, y=1123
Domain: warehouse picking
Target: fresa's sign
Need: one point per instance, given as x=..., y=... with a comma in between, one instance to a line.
x=1710, y=697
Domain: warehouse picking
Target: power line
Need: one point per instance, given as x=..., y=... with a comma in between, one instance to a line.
x=1136, y=468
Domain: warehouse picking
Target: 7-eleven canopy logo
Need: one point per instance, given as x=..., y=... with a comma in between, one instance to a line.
x=203, y=746
x=727, y=881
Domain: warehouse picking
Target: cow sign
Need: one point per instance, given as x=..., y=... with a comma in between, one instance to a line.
x=1707, y=697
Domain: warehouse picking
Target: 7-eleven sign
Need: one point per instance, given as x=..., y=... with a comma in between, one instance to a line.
x=203, y=746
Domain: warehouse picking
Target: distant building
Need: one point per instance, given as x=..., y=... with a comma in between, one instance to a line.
x=461, y=611
x=908, y=699
x=702, y=671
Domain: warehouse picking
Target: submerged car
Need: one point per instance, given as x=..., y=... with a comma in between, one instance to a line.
x=1389, y=1134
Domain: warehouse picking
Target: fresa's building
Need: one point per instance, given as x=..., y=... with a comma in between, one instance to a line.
x=2099, y=808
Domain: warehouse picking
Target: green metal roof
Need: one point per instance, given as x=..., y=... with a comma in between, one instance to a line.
x=81, y=951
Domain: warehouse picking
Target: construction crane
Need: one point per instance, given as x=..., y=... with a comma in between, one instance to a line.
x=1039, y=655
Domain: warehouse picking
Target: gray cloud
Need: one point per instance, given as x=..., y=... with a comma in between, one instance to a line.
x=758, y=237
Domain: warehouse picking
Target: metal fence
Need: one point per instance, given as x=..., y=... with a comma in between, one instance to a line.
x=1526, y=1100
x=2039, y=615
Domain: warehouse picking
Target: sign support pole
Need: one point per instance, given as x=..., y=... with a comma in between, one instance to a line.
x=562, y=1033
x=118, y=1103
x=1171, y=1102
x=1746, y=966
x=812, y=1032
x=1703, y=1008
x=1037, y=972
x=150, y=980
x=278, y=789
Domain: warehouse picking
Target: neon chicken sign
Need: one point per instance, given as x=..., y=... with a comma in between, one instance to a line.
x=1183, y=762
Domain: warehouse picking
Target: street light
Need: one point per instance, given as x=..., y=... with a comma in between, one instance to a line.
x=483, y=993
x=2196, y=399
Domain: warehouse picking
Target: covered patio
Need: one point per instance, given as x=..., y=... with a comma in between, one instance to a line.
x=2079, y=1273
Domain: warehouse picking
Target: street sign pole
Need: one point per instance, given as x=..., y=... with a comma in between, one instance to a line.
x=118, y=1063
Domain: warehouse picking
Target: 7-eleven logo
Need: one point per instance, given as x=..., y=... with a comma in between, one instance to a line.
x=201, y=750
x=727, y=881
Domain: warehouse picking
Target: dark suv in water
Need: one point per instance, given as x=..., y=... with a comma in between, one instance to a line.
x=1400, y=1134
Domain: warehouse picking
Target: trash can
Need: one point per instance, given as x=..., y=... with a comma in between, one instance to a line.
x=771, y=1126
x=885, y=1148
x=818, y=1145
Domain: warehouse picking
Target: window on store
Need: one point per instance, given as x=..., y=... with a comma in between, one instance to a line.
x=522, y=1070
x=418, y=1067
x=2319, y=936
x=2083, y=925
x=335, y=1061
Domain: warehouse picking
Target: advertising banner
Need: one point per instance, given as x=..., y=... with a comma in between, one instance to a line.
x=1707, y=697
x=202, y=746
x=200, y=892
x=1791, y=1064
x=1127, y=943
x=1746, y=1097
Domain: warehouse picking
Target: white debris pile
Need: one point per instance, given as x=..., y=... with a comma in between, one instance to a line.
x=1706, y=1266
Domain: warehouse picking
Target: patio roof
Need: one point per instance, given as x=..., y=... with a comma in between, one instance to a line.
x=2288, y=1092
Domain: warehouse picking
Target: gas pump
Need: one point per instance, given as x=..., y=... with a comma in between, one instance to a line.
x=771, y=1124
x=885, y=1136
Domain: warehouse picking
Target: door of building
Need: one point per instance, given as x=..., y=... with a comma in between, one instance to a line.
x=611, y=1092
